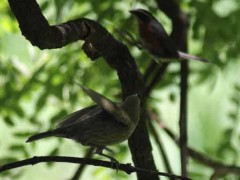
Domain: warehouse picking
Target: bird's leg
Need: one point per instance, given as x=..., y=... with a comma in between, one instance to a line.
x=99, y=151
x=108, y=149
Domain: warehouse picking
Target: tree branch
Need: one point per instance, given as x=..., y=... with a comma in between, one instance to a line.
x=179, y=34
x=149, y=70
x=183, y=121
x=127, y=168
x=36, y=29
x=156, y=78
x=80, y=169
x=161, y=148
x=205, y=159
x=97, y=42
x=198, y=156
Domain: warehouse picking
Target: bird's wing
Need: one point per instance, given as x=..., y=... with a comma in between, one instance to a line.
x=79, y=115
x=115, y=110
x=165, y=41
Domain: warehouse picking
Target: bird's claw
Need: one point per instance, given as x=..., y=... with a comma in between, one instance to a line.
x=108, y=149
x=115, y=164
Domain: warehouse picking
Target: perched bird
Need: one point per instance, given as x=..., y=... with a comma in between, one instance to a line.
x=156, y=40
x=100, y=125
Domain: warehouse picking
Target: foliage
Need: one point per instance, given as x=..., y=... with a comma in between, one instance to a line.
x=38, y=87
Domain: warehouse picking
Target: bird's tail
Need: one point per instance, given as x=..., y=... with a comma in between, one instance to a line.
x=183, y=55
x=41, y=135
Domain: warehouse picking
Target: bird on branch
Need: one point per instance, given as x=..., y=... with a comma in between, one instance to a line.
x=100, y=125
x=156, y=40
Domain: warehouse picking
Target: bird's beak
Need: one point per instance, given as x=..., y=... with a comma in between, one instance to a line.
x=141, y=15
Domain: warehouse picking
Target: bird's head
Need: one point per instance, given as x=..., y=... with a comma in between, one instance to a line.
x=131, y=106
x=143, y=16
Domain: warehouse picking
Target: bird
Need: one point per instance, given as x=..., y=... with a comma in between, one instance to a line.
x=155, y=39
x=105, y=123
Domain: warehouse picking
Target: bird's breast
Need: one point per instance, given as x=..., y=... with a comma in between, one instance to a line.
x=151, y=41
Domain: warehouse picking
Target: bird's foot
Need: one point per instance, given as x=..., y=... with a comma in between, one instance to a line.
x=114, y=164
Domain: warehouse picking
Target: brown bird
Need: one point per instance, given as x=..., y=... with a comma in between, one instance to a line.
x=100, y=125
x=156, y=40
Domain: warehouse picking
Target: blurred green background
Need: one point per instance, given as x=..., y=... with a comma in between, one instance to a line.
x=38, y=87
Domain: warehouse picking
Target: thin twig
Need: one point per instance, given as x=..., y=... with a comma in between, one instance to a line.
x=149, y=70
x=196, y=155
x=81, y=168
x=183, y=118
x=128, y=37
x=157, y=77
x=161, y=148
x=123, y=167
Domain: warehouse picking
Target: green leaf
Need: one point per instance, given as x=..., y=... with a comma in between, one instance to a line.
x=8, y=120
x=23, y=134
x=54, y=152
x=7, y=160
x=17, y=147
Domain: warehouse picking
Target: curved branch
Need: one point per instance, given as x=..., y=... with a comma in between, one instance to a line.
x=127, y=168
x=98, y=42
x=37, y=30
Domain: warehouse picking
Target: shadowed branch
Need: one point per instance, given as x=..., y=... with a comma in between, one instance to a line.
x=127, y=168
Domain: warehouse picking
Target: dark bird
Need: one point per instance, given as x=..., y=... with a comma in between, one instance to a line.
x=100, y=125
x=156, y=40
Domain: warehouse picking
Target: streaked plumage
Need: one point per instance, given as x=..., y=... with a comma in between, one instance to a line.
x=99, y=125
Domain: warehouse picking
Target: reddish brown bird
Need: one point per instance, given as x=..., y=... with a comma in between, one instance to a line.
x=156, y=40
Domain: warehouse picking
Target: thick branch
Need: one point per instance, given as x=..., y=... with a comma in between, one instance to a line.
x=98, y=42
x=127, y=168
x=36, y=29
